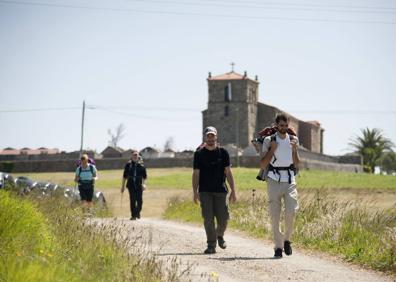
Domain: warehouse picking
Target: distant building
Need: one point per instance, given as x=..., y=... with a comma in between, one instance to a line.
x=149, y=153
x=28, y=153
x=127, y=154
x=233, y=108
x=112, y=152
x=184, y=154
x=169, y=153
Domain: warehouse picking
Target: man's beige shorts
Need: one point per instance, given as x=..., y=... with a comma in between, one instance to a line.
x=277, y=191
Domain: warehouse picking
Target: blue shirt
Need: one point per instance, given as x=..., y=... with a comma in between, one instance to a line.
x=86, y=175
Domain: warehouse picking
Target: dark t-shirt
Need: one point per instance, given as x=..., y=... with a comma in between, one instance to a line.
x=211, y=166
x=135, y=173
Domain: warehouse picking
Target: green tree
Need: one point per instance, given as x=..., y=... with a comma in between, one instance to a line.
x=371, y=145
x=388, y=162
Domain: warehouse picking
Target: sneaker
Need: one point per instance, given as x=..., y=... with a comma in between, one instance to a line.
x=287, y=247
x=133, y=218
x=210, y=250
x=221, y=242
x=278, y=253
x=138, y=216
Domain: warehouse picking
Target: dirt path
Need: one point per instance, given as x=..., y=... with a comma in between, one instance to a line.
x=245, y=259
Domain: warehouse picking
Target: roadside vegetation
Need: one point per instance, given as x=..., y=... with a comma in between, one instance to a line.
x=47, y=239
x=351, y=215
x=345, y=229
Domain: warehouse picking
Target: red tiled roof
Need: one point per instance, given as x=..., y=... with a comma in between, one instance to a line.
x=228, y=76
x=314, y=122
x=10, y=152
x=27, y=151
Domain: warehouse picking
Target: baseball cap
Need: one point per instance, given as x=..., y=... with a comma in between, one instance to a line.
x=210, y=130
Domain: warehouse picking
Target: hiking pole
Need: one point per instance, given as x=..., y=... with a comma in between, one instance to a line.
x=253, y=194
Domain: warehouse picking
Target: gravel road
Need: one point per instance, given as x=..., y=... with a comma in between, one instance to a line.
x=245, y=259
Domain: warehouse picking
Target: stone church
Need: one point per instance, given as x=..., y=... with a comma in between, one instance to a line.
x=234, y=109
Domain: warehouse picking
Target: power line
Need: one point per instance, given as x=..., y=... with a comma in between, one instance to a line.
x=39, y=110
x=145, y=108
x=302, y=5
x=195, y=14
x=114, y=109
x=272, y=7
x=131, y=114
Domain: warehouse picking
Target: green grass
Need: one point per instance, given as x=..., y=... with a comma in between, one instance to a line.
x=355, y=233
x=245, y=179
x=45, y=239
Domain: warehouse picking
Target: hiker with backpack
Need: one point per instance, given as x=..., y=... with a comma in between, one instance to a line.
x=211, y=168
x=85, y=176
x=134, y=176
x=280, y=162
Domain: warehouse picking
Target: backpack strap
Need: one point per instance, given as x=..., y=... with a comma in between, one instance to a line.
x=90, y=168
x=273, y=138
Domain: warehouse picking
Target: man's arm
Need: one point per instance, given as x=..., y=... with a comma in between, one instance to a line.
x=124, y=178
x=230, y=180
x=296, y=157
x=94, y=174
x=76, y=178
x=123, y=184
x=268, y=156
x=144, y=177
x=195, y=184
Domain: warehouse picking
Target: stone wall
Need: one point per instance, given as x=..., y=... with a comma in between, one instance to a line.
x=310, y=160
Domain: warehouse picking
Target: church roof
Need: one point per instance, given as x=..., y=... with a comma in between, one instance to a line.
x=314, y=122
x=229, y=76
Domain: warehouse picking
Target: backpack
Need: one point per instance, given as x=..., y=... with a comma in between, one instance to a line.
x=258, y=144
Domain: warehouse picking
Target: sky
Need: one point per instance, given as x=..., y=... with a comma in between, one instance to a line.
x=145, y=64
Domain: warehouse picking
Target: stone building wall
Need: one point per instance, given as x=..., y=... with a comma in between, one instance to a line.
x=235, y=120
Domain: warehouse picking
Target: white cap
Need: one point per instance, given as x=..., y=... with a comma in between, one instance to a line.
x=210, y=130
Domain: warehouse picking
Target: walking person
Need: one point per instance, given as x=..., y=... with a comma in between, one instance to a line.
x=85, y=176
x=281, y=159
x=211, y=169
x=134, y=176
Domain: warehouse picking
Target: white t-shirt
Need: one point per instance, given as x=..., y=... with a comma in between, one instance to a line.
x=282, y=157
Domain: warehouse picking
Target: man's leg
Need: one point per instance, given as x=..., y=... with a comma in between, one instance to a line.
x=274, y=205
x=221, y=213
x=139, y=201
x=222, y=216
x=291, y=207
x=206, y=200
x=132, y=202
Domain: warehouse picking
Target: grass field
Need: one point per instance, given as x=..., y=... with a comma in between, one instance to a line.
x=245, y=179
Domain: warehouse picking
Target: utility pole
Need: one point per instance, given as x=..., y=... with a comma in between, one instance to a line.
x=82, y=128
x=237, y=136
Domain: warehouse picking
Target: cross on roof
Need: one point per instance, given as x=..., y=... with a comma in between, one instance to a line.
x=232, y=66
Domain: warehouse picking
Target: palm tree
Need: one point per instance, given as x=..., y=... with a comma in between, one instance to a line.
x=371, y=146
